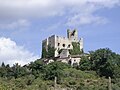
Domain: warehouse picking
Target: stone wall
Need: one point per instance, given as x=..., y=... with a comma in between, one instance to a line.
x=62, y=42
x=72, y=35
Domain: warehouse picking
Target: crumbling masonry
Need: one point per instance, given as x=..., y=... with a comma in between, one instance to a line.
x=63, y=43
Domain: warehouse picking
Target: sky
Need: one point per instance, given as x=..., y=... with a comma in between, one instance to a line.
x=25, y=23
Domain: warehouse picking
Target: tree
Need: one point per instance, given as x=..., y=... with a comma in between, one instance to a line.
x=76, y=49
x=49, y=53
x=18, y=71
x=3, y=64
x=5, y=70
x=44, y=53
x=37, y=67
x=85, y=63
x=55, y=69
x=104, y=62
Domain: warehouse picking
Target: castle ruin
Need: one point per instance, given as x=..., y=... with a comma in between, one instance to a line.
x=63, y=43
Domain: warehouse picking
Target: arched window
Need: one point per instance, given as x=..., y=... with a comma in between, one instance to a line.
x=58, y=44
x=69, y=46
x=63, y=45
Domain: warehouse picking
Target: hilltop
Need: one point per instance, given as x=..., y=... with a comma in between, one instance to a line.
x=90, y=74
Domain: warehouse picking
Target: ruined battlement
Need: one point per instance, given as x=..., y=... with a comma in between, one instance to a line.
x=58, y=42
x=72, y=35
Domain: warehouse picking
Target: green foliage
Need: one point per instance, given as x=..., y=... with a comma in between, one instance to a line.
x=18, y=71
x=55, y=69
x=85, y=64
x=80, y=80
x=44, y=53
x=48, y=53
x=104, y=62
x=72, y=72
x=14, y=71
x=51, y=52
x=40, y=76
x=76, y=49
x=37, y=68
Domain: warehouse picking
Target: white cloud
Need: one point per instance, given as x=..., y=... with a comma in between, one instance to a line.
x=19, y=24
x=45, y=8
x=78, y=19
x=105, y=3
x=86, y=13
x=11, y=53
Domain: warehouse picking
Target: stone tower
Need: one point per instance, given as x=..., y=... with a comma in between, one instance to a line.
x=81, y=44
x=72, y=35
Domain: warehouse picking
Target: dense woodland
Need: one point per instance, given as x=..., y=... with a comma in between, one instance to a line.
x=91, y=74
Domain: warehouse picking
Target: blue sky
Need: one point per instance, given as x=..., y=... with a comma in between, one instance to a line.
x=25, y=23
